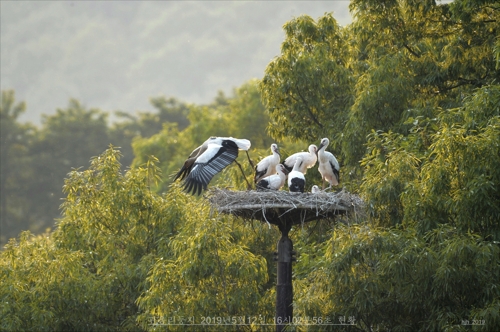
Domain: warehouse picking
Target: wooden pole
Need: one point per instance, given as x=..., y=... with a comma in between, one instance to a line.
x=284, y=209
x=284, y=289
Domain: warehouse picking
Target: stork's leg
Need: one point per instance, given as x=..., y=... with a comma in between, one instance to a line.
x=250, y=160
x=323, y=184
x=249, y=187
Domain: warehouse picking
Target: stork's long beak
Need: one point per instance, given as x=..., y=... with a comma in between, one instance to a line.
x=319, y=148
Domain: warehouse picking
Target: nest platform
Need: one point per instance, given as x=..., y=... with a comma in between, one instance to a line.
x=282, y=207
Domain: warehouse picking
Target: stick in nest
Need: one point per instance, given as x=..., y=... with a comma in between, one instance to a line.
x=225, y=200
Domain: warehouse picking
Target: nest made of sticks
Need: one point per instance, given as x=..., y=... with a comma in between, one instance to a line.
x=282, y=207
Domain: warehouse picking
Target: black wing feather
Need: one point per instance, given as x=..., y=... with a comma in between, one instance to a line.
x=288, y=167
x=335, y=172
x=262, y=185
x=202, y=173
x=297, y=185
x=258, y=174
x=189, y=163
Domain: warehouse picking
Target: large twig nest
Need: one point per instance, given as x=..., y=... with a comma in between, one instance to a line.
x=282, y=207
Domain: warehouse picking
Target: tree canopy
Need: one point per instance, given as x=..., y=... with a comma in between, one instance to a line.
x=408, y=94
x=398, y=59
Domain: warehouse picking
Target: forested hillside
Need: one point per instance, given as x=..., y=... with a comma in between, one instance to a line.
x=40, y=158
x=115, y=55
x=409, y=96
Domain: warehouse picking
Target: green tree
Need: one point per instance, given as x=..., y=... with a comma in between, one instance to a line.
x=15, y=170
x=394, y=279
x=248, y=117
x=416, y=57
x=423, y=127
x=67, y=139
x=169, y=110
x=122, y=255
x=307, y=88
x=398, y=59
x=87, y=273
x=209, y=275
x=441, y=267
x=408, y=95
x=242, y=115
x=146, y=124
x=458, y=181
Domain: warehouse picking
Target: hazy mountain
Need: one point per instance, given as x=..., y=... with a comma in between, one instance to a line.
x=117, y=54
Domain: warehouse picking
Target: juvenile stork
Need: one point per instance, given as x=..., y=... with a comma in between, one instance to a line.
x=328, y=165
x=296, y=179
x=207, y=160
x=308, y=159
x=267, y=166
x=315, y=189
x=275, y=181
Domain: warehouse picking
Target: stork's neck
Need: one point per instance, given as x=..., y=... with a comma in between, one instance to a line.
x=322, y=155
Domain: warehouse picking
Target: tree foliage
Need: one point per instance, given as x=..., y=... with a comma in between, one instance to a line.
x=444, y=172
x=394, y=279
x=241, y=115
x=85, y=275
x=209, y=274
x=397, y=59
x=423, y=126
x=36, y=160
x=146, y=124
x=120, y=248
x=306, y=89
x=409, y=96
x=67, y=139
x=14, y=155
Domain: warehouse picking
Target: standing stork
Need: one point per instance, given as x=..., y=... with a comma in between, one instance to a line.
x=207, y=160
x=308, y=159
x=328, y=165
x=267, y=166
x=296, y=179
x=275, y=181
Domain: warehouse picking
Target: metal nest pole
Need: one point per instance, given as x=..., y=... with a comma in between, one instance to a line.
x=284, y=209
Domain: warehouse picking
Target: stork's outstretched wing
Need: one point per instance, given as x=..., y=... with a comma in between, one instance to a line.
x=211, y=162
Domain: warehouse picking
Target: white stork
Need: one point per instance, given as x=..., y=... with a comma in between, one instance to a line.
x=296, y=179
x=275, y=181
x=328, y=165
x=308, y=159
x=267, y=166
x=315, y=189
x=209, y=159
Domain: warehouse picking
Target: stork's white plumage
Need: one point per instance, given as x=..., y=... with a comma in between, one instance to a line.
x=209, y=159
x=275, y=181
x=267, y=166
x=296, y=179
x=308, y=159
x=328, y=165
x=315, y=189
